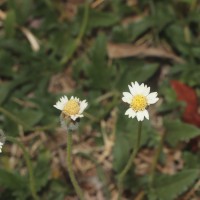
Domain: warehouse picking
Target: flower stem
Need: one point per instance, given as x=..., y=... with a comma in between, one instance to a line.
x=155, y=161
x=29, y=166
x=130, y=161
x=69, y=164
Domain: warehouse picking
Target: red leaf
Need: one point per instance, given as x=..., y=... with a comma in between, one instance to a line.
x=188, y=95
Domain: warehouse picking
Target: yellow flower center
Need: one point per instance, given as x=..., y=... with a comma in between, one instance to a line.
x=138, y=103
x=72, y=107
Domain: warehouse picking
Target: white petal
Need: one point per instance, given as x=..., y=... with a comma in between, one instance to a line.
x=74, y=117
x=127, y=97
x=58, y=106
x=140, y=116
x=131, y=89
x=146, y=114
x=77, y=99
x=152, y=101
x=131, y=113
x=83, y=105
x=128, y=111
x=137, y=84
x=61, y=103
x=152, y=98
x=142, y=89
x=136, y=87
x=146, y=91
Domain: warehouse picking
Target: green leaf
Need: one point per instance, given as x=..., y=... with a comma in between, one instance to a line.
x=5, y=90
x=138, y=28
x=131, y=32
x=132, y=70
x=170, y=187
x=58, y=190
x=191, y=161
x=12, y=180
x=179, y=131
x=10, y=23
x=30, y=117
x=42, y=170
x=98, y=72
x=102, y=19
x=22, y=9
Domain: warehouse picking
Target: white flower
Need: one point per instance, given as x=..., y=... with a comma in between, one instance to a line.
x=139, y=98
x=72, y=107
x=1, y=145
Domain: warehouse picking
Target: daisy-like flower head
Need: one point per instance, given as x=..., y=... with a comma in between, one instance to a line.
x=72, y=107
x=139, y=98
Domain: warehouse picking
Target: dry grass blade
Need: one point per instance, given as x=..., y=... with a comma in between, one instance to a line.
x=32, y=39
x=129, y=50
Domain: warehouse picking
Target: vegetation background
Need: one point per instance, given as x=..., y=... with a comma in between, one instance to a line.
x=94, y=49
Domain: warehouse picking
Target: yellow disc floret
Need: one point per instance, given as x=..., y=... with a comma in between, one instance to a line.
x=138, y=103
x=72, y=107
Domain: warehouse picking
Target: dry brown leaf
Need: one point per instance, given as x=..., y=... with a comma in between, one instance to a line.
x=129, y=50
x=32, y=39
x=2, y=15
x=96, y=3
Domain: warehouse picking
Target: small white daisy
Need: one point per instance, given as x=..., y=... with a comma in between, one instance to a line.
x=139, y=98
x=72, y=107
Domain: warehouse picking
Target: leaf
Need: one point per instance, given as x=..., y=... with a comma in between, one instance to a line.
x=12, y=180
x=98, y=72
x=30, y=117
x=179, y=131
x=22, y=9
x=129, y=32
x=175, y=33
x=187, y=95
x=42, y=170
x=10, y=23
x=58, y=190
x=191, y=161
x=170, y=187
x=128, y=50
x=16, y=185
x=102, y=19
x=5, y=90
x=131, y=70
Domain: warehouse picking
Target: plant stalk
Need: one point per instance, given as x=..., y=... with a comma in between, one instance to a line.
x=155, y=161
x=70, y=170
x=130, y=161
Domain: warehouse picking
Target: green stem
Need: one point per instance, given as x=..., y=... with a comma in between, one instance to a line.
x=29, y=166
x=155, y=161
x=69, y=164
x=130, y=161
x=77, y=41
